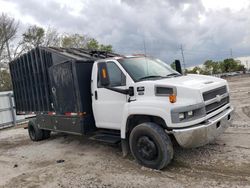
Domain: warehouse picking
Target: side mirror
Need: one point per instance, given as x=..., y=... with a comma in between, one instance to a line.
x=131, y=91
x=103, y=74
x=178, y=66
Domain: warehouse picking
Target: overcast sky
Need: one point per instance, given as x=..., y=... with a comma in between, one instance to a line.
x=207, y=29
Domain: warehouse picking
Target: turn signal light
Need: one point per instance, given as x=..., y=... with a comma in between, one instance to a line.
x=172, y=98
x=104, y=74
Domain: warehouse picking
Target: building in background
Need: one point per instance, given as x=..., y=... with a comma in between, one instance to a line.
x=245, y=60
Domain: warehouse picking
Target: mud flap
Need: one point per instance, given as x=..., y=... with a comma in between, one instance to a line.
x=125, y=147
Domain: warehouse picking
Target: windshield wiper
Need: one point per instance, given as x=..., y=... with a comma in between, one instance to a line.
x=152, y=76
x=173, y=74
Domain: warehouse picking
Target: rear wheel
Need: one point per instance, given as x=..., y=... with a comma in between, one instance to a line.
x=35, y=133
x=46, y=134
x=151, y=146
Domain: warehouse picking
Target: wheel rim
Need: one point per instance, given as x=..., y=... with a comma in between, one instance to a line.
x=32, y=132
x=147, y=148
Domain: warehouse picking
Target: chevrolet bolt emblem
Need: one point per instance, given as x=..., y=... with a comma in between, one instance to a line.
x=218, y=98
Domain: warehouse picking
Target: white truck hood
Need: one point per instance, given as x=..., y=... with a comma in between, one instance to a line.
x=193, y=81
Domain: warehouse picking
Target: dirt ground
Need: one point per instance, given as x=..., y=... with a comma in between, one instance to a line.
x=87, y=163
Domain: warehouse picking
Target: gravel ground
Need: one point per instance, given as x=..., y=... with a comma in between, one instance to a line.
x=73, y=161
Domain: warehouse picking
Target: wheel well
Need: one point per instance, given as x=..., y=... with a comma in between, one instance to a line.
x=134, y=120
x=32, y=121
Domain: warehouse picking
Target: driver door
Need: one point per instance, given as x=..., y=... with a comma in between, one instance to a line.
x=108, y=105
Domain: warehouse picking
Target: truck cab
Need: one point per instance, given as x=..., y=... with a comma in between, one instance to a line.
x=138, y=101
x=137, y=90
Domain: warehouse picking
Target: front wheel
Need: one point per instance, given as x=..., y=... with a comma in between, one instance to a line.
x=151, y=146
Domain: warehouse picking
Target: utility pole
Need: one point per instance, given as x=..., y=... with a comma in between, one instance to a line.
x=144, y=46
x=231, y=52
x=183, y=59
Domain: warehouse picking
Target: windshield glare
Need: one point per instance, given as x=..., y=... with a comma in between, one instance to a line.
x=140, y=68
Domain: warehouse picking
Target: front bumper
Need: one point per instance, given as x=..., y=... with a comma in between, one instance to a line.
x=204, y=133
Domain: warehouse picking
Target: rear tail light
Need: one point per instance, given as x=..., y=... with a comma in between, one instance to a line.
x=75, y=113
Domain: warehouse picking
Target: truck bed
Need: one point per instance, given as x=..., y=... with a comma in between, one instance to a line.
x=54, y=84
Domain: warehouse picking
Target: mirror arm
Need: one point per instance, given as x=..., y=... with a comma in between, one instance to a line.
x=122, y=91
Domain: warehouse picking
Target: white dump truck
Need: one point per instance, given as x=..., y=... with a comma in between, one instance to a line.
x=138, y=101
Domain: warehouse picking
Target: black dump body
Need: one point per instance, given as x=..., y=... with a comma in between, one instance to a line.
x=55, y=84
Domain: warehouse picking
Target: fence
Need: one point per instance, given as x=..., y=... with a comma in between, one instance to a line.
x=8, y=115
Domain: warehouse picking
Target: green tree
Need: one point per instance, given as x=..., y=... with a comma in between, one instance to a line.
x=93, y=44
x=241, y=68
x=230, y=65
x=74, y=41
x=33, y=37
x=5, y=81
x=196, y=70
x=212, y=67
x=82, y=41
x=227, y=65
x=106, y=48
x=209, y=65
x=216, y=68
x=36, y=36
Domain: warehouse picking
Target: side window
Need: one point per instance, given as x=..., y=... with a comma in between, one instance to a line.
x=116, y=76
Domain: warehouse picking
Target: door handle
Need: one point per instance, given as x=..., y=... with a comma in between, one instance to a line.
x=96, y=96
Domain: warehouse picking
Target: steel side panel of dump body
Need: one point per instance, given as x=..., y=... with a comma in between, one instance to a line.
x=54, y=83
x=63, y=88
x=30, y=82
x=71, y=92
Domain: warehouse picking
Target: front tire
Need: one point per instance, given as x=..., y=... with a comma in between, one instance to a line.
x=151, y=146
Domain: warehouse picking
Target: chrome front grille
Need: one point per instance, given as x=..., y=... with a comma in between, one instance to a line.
x=216, y=105
x=208, y=95
x=215, y=99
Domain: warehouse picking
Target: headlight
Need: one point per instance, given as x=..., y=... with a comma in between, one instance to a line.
x=190, y=113
x=181, y=116
x=184, y=114
x=169, y=91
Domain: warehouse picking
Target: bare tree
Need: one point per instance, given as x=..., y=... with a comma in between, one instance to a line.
x=8, y=31
x=5, y=81
x=51, y=38
x=18, y=49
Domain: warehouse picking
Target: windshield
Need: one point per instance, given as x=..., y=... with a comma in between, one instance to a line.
x=143, y=68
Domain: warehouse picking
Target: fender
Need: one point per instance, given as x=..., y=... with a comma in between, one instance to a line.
x=157, y=112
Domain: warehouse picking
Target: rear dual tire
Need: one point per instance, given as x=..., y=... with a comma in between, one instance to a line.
x=151, y=146
x=35, y=133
